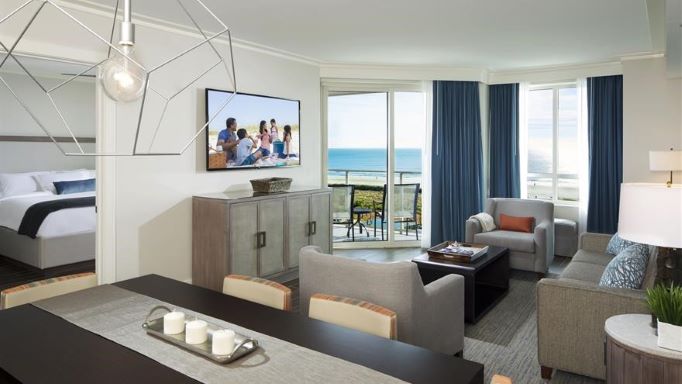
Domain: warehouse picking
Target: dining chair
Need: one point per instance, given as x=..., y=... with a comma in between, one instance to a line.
x=45, y=289
x=343, y=197
x=499, y=379
x=356, y=314
x=405, y=199
x=258, y=290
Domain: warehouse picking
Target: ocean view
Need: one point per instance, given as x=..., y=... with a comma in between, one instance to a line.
x=374, y=159
x=369, y=165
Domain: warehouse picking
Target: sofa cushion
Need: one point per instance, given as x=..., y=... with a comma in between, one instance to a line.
x=515, y=241
x=581, y=271
x=627, y=269
x=597, y=258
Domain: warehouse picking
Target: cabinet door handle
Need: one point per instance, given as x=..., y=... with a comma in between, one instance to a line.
x=260, y=240
x=309, y=229
x=313, y=231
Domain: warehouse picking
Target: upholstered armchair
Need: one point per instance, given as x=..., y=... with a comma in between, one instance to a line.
x=527, y=251
x=430, y=316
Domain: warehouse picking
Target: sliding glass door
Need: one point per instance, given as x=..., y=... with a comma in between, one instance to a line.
x=371, y=134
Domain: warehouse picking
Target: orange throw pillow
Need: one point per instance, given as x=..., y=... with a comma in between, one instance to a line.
x=516, y=224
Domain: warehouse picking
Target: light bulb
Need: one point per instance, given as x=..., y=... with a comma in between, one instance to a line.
x=123, y=80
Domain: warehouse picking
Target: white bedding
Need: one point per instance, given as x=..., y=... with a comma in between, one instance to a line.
x=65, y=222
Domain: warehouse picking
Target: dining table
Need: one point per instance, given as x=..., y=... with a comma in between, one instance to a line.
x=37, y=346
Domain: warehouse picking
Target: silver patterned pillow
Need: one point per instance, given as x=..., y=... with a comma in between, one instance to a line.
x=617, y=244
x=627, y=269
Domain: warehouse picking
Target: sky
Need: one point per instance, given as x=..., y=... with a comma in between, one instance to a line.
x=360, y=120
x=250, y=110
x=540, y=136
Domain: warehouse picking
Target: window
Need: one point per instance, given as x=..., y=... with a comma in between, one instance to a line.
x=553, y=143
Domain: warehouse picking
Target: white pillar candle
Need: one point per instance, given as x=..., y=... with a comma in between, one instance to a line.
x=173, y=323
x=196, y=332
x=223, y=342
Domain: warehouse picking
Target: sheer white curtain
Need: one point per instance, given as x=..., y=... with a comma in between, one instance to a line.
x=583, y=156
x=523, y=139
x=427, y=87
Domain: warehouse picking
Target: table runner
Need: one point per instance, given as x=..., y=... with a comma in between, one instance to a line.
x=117, y=314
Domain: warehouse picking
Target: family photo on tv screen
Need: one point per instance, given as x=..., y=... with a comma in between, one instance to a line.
x=252, y=131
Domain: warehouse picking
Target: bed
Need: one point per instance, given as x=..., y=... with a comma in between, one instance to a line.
x=65, y=236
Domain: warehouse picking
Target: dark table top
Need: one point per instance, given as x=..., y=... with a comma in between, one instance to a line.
x=493, y=254
x=39, y=347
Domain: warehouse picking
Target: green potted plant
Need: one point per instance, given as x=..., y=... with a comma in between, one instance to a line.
x=665, y=302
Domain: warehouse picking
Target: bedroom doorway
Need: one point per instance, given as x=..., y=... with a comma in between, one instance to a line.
x=48, y=221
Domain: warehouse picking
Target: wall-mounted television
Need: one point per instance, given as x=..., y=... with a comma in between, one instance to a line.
x=252, y=131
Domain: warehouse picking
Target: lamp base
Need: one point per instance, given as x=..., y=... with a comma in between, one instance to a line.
x=669, y=266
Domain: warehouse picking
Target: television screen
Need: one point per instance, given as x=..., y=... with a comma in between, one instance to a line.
x=252, y=131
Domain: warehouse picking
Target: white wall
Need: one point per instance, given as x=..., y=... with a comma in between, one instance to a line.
x=651, y=117
x=77, y=102
x=153, y=206
x=151, y=196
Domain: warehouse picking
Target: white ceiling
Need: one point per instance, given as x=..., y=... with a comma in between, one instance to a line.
x=493, y=34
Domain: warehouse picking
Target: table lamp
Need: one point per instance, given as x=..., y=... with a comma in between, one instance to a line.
x=667, y=161
x=652, y=214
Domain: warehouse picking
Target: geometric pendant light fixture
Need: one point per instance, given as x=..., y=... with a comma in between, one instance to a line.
x=126, y=80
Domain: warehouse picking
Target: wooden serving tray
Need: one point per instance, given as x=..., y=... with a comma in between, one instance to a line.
x=435, y=252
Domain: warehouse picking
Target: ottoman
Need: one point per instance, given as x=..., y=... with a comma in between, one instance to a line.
x=565, y=237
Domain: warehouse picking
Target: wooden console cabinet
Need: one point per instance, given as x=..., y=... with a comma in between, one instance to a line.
x=255, y=234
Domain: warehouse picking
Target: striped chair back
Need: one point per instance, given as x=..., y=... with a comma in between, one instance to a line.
x=356, y=314
x=499, y=379
x=46, y=289
x=258, y=290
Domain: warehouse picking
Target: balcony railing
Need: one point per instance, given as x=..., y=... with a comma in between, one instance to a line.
x=348, y=172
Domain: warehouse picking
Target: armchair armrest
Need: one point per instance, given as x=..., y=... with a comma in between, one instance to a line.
x=471, y=227
x=544, y=240
x=594, y=242
x=571, y=316
x=443, y=310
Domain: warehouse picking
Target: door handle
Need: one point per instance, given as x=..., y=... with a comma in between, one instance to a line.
x=260, y=240
x=264, y=240
x=313, y=226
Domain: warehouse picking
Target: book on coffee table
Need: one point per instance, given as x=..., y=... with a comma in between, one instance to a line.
x=456, y=251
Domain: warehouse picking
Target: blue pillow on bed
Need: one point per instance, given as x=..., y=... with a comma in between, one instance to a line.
x=74, y=186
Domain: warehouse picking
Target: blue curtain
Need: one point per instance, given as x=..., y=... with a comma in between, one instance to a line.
x=455, y=158
x=504, y=141
x=605, y=138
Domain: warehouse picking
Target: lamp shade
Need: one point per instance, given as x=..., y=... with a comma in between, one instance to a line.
x=665, y=161
x=651, y=214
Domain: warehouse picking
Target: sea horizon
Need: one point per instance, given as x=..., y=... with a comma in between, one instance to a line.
x=374, y=159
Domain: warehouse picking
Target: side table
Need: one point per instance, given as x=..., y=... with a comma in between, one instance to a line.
x=633, y=356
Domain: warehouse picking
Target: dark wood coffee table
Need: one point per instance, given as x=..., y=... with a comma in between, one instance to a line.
x=486, y=280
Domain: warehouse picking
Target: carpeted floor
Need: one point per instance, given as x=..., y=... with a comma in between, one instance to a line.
x=505, y=339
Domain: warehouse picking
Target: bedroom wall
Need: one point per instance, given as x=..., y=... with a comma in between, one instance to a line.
x=77, y=102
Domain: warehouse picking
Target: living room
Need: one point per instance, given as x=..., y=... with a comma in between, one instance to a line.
x=475, y=191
